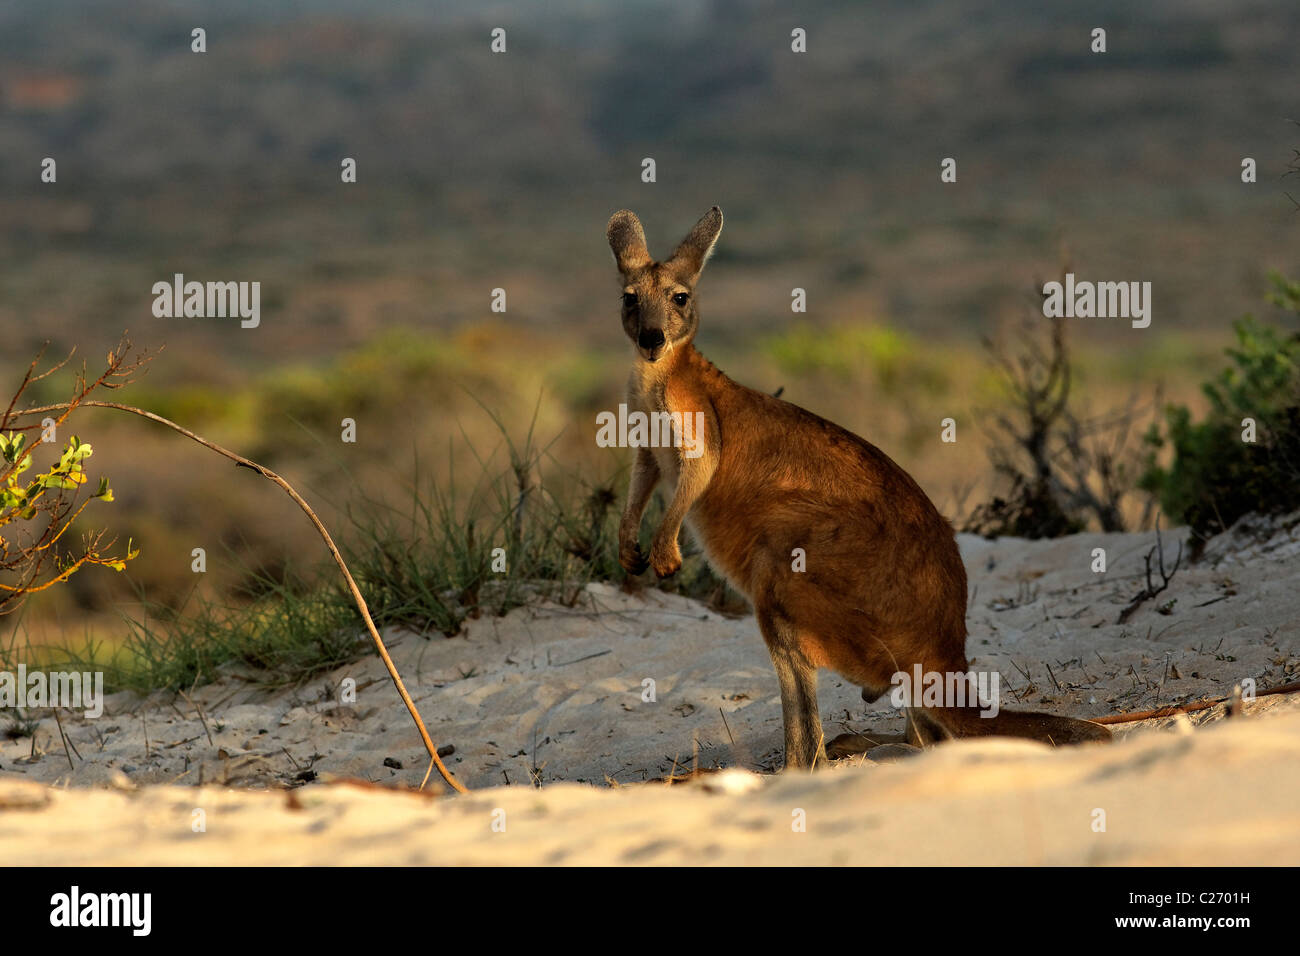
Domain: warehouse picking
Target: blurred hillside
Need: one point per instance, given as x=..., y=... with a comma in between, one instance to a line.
x=479, y=171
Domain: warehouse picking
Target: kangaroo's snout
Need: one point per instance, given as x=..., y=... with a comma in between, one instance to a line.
x=650, y=338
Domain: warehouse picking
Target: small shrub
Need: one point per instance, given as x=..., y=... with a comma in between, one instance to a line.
x=1061, y=470
x=1215, y=476
x=38, y=514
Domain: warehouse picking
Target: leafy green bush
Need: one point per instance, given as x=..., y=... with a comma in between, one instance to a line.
x=1217, y=474
x=36, y=517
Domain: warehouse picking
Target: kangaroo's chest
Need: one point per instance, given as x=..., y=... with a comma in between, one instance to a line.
x=668, y=421
x=650, y=425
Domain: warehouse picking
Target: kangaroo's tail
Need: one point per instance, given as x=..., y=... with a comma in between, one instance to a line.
x=968, y=722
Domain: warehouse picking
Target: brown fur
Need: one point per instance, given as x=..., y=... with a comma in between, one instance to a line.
x=884, y=586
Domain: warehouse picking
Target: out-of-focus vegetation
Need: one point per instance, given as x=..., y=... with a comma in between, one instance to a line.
x=1243, y=454
x=1059, y=467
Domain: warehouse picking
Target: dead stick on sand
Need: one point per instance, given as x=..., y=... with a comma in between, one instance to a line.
x=67, y=750
x=199, y=710
x=435, y=760
x=728, y=726
x=1187, y=708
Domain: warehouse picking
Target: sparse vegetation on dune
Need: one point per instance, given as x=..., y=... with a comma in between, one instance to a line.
x=425, y=564
x=421, y=537
x=417, y=522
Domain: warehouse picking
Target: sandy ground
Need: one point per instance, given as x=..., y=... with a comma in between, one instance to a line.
x=559, y=697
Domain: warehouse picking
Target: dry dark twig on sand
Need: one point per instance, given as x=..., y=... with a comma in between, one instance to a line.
x=1151, y=590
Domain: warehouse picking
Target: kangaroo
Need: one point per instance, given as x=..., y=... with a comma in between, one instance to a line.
x=884, y=587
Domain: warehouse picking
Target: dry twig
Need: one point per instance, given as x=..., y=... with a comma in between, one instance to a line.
x=1151, y=590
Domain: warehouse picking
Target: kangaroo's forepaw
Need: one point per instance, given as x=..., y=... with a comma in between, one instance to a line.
x=666, y=561
x=631, y=558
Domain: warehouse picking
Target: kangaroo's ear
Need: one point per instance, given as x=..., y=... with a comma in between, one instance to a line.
x=689, y=258
x=627, y=239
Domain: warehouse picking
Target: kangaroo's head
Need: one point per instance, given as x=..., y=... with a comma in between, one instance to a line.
x=659, y=297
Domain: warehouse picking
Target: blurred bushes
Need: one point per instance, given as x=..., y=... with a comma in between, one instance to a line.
x=893, y=358
x=1215, y=475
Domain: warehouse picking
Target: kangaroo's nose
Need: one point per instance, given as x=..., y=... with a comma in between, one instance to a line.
x=650, y=338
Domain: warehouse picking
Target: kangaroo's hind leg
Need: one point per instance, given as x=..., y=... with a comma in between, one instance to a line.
x=798, y=679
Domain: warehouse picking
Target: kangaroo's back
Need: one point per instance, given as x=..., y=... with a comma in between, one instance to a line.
x=847, y=562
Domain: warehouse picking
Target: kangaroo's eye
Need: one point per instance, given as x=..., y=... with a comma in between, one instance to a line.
x=681, y=298
x=629, y=299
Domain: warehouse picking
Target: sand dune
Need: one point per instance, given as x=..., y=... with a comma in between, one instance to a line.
x=559, y=697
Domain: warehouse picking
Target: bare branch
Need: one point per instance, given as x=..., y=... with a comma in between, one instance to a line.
x=1152, y=589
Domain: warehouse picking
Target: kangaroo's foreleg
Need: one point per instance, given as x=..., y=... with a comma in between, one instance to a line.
x=645, y=475
x=693, y=476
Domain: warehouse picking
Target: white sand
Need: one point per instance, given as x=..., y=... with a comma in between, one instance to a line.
x=552, y=694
